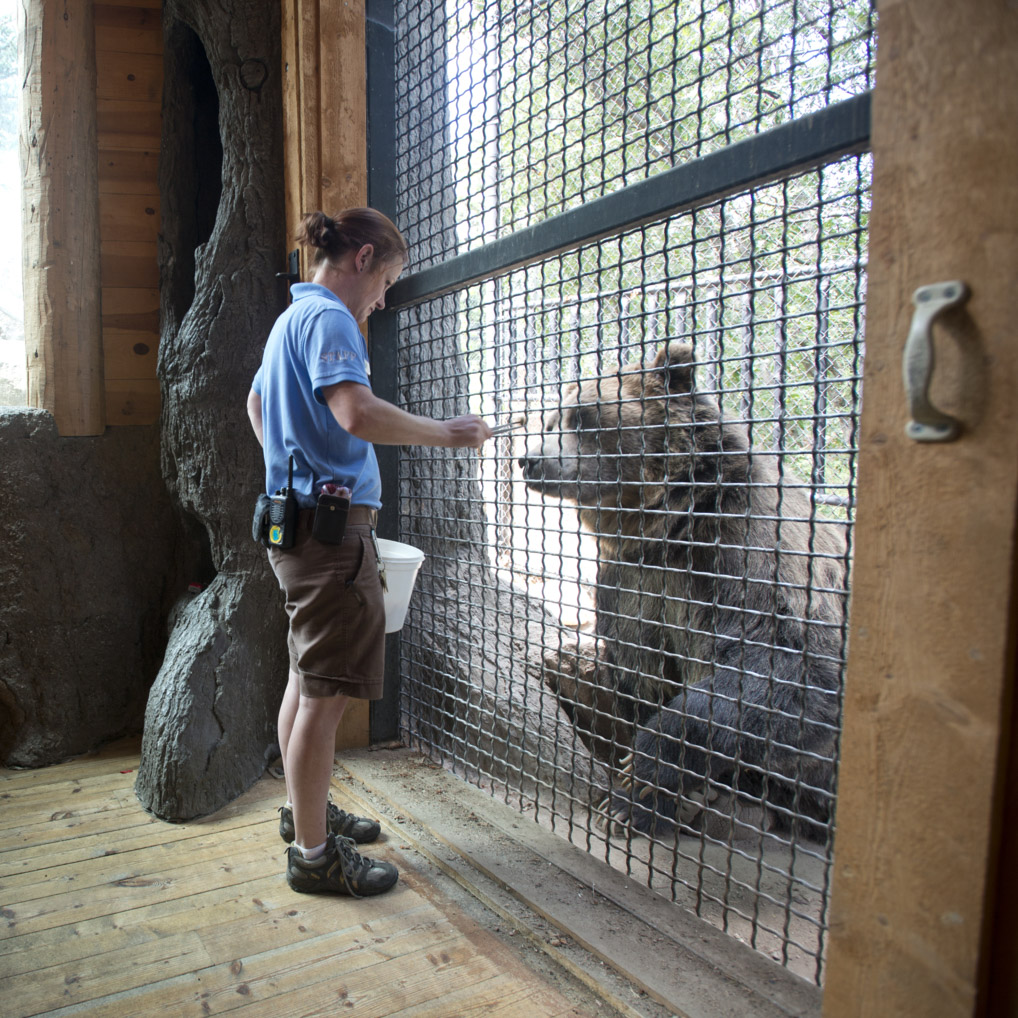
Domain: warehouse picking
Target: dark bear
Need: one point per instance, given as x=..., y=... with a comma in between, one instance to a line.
x=720, y=605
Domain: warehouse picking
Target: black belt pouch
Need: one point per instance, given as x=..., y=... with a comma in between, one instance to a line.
x=330, y=519
x=260, y=523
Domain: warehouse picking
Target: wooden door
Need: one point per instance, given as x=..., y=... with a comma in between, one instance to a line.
x=920, y=923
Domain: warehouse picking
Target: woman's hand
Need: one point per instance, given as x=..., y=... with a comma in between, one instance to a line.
x=468, y=431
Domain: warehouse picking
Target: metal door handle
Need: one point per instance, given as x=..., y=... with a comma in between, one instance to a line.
x=928, y=424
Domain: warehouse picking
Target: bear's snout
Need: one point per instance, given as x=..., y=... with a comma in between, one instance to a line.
x=532, y=467
x=547, y=474
x=550, y=461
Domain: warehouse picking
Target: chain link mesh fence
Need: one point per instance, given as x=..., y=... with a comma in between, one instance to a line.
x=632, y=620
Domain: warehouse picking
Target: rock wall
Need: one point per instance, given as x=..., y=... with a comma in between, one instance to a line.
x=90, y=564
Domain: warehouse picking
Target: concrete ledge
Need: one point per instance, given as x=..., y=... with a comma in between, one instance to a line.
x=675, y=958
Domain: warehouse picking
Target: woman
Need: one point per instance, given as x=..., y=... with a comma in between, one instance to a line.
x=311, y=399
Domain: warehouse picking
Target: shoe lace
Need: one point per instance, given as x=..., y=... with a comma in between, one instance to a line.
x=351, y=863
x=335, y=813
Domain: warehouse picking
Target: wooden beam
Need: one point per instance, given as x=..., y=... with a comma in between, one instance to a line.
x=325, y=149
x=60, y=217
x=344, y=181
x=931, y=670
x=324, y=108
x=291, y=120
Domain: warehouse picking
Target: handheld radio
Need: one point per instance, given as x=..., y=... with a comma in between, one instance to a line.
x=282, y=515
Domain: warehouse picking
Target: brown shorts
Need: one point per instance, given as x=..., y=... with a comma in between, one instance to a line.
x=337, y=617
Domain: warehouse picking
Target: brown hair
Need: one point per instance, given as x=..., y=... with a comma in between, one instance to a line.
x=330, y=237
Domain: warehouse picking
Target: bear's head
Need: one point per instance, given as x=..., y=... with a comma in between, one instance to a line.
x=617, y=442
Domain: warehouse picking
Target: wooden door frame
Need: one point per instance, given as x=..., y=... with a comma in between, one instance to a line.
x=60, y=216
x=324, y=108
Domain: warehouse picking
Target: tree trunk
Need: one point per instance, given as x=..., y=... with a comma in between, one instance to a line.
x=210, y=722
x=476, y=677
x=473, y=681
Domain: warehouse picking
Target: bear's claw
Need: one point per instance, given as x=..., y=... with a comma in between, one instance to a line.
x=647, y=808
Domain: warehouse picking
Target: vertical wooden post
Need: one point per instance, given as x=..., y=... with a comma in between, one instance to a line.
x=344, y=104
x=60, y=216
x=931, y=671
x=326, y=149
x=325, y=107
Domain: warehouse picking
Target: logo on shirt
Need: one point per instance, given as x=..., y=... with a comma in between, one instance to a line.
x=338, y=356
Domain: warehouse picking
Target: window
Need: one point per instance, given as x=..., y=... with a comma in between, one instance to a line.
x=12, y=310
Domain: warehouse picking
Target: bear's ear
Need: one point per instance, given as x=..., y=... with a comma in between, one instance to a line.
x=675, y=362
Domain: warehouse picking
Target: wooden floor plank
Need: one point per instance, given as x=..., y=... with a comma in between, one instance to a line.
x=498, y=996
x=17, y=800
x=150, y=854
x=123, y=815
x=265, y=900
x=347, y=920
x=82, y=848
x=129, y=888
x=105, y=910
x=379, y=989
x=292, y=973
x=123, y=753
x=96, y=794
x=239, y=979
x=124, y=829
x=90, y=979
x=291, y=976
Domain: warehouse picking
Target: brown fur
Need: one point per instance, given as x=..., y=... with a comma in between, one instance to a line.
x=720, y=600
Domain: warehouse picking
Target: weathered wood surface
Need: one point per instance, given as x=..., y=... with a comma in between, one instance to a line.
x=931, y=664
x=325, y=109
x=112, y=911
x=60, y=216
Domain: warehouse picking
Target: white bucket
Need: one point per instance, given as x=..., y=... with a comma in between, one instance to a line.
x=401, y=561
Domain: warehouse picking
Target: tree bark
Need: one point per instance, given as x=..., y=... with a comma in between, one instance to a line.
x=210, y=721
x=473, y=679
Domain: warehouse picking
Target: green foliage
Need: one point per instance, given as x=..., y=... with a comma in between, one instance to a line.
x=583, y=97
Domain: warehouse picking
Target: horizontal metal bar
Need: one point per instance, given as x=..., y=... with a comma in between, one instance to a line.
x=837, y=130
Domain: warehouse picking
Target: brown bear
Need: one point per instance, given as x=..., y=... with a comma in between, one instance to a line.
x=720, y=604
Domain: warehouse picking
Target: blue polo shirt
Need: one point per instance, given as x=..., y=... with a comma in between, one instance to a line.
x=314, y=343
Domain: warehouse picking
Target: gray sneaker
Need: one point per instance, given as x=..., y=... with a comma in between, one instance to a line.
x=337, y=821
x=339, y=870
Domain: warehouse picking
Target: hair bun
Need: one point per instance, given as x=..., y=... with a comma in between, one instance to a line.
x=317, y=230
x=350, y=230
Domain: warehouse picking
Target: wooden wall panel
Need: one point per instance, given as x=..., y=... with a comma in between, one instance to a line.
x=129, y=217
x=129, y=61
x=325, y=108
x=325, y=150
